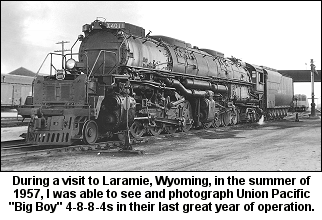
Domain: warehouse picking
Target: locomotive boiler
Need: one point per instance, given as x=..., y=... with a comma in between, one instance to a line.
x=126, y=80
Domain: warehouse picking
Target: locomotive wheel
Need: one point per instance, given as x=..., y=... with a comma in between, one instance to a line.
x=258, y=117
x=137, y=129
x=282, y=113
x=270, y=115
x=229, y=118
x=156, y=130
x=213, y=123
x=170, y=129
x=234, y=118
x=187, y=115
x=206, y=125
x=278, y=114
x=225, y=118
x=186, y=127
x=217, y=122
x=274, y=114
x=252, y=118
x=90, y=132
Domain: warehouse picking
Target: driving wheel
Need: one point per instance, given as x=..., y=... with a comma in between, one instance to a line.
x=155, y=130
x=170, y=129
x=234, y=118
x=137, y=129
x=217, y=121
x=187, y=115
x=206, y=125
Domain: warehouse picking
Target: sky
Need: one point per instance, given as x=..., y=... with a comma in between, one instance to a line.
x=281, y=35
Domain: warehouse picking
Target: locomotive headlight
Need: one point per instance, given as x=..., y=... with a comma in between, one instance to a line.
x=70, y=64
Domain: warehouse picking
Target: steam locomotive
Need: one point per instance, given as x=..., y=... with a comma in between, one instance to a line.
x=126, y=81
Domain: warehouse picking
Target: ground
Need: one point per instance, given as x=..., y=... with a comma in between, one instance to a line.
x=274, y=146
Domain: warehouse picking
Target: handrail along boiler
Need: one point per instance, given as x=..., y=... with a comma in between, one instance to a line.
x=170, y=86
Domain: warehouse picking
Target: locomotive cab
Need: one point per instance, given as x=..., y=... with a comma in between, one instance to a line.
x=258, y=77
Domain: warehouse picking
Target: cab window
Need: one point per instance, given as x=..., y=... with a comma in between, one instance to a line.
x=261, y=78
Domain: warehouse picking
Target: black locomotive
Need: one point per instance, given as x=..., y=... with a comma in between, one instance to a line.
x=126, y=80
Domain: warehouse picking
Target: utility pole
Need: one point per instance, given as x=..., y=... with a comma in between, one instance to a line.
x=62, y=45
x=62, y=50
x=312, y=88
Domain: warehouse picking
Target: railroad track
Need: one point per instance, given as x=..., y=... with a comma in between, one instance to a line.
x=13, y=122
x=19, y=119
x=13, y=143
x=19, y=149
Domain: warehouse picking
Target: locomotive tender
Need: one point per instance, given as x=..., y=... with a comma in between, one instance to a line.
x=126, y=80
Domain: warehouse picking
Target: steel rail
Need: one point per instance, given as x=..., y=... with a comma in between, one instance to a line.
x=98, y=147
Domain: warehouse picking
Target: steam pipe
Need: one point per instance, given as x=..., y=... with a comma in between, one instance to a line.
x=204, y=85
x=171, y=104
x=188, y=92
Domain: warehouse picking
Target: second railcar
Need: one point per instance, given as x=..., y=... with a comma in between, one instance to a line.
x=300, y=103
x=14, y=90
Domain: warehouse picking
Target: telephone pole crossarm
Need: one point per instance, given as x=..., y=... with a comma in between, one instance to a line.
x=62, y=45
x=62, y=50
